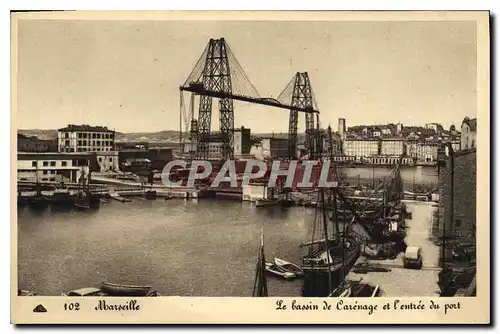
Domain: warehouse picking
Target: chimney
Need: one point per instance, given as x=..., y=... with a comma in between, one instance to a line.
x=341, y=128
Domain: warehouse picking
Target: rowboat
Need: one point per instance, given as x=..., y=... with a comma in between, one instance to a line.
x=278, y=271
x=26, y=293
x=288, y=266
x=124, y=289
x=93, y=292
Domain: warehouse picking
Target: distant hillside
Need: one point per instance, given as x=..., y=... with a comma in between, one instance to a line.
x=160, y=136
x=40, y=133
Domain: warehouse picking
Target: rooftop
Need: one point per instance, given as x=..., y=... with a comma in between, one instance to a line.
x=472, y=123
x=85, y=127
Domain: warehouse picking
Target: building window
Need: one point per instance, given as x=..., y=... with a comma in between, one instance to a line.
x=110, y=159
x=100, y=159
x=79, y=135
x=45, y=163
x=52, y=164
x=66, y=135
x=64, y=163
x=33, y=164
x=45, y=172
x=84, y=135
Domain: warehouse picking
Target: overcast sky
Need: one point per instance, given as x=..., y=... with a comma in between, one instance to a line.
x=126, y=74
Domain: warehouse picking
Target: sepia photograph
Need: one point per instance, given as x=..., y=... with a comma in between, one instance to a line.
x=281, y=156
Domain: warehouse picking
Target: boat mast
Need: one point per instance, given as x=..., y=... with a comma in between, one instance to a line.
x=325, y=228
x=181, y=149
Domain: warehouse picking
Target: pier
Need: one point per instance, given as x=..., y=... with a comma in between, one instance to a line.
x=398, y=281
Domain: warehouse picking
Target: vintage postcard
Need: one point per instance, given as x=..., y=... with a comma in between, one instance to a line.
x=250, y=167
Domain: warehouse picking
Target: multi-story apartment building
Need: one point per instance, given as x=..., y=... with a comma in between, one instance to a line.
x=52, y=167
x=392, y=147
x=422, y=151
x=468, y=134
x=360, y=147
x=85, y=138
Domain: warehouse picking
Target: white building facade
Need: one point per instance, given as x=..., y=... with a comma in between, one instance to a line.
x=51, y=167
x=85, y=138
x=392, y=147
x=360, y=147
x=468, y=133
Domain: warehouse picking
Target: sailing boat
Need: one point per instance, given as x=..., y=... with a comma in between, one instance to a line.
x=329, y=260
x=85, y=200
x=260, y=283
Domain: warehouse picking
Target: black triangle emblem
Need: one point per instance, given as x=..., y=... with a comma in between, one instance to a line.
x=39, y=309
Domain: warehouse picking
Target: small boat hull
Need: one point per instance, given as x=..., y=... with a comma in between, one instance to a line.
x=288, y=266
x=278, y=271
x=125, y=290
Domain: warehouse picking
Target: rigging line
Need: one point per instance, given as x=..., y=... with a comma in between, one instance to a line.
x=290, y=83
x=199, y=65
x=233, y=59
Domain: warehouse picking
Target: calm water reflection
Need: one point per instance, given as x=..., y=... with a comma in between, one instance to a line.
x=205, y=248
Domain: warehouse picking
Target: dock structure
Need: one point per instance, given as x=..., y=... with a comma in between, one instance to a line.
x=408, y=282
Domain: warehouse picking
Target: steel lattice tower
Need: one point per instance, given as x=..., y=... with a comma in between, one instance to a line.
x=217, y=78
x=301, y=97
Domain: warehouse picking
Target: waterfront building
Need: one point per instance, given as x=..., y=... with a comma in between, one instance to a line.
x=107, y=161
x=274, y=147
x=35, y=144
x=241, y=141
x=360, y=147
x=85, y=138
x=392, y=147
x=468, y=134
x=156, y=158
x=422, y=151
x=52, y=167
x=388, y=160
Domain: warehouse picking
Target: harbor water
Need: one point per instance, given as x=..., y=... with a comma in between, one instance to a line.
x=179, y=247
x=413, y=177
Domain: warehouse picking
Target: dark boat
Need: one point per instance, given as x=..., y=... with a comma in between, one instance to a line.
x=328, y=261
x=61, y=198
x=327, y=268
x=38, y=202
x=112, y=289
